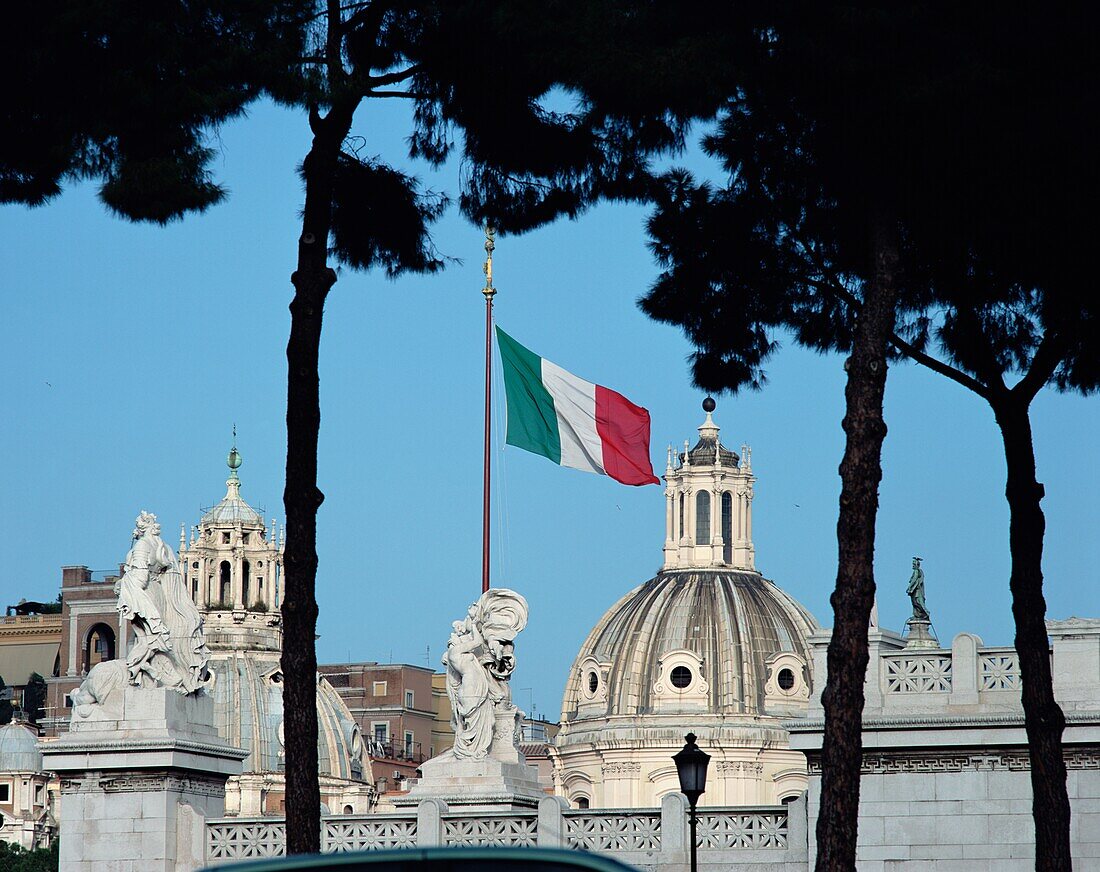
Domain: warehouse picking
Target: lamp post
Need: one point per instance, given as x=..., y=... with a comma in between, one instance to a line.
x=691, y=767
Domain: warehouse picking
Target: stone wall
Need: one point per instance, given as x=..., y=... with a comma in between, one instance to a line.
x=946, y=782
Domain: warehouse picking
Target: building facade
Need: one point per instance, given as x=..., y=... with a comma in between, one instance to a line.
x=393, y=705
x=29, y=645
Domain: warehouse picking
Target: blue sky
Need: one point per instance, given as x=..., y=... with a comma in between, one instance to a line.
x=130, y=351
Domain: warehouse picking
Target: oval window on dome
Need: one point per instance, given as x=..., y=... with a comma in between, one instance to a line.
x=680, y=677
x=593, y=682
x=785, y=679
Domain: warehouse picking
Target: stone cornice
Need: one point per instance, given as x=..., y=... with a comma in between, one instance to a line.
x=75, y=746
x=51, y=631
x=934, y=720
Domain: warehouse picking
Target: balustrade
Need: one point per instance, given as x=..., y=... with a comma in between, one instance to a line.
x=607, y=831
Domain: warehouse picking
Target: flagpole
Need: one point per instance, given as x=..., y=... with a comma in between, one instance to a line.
x=489, y=291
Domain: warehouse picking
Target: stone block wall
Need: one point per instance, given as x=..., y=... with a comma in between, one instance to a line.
x=946, y=778
x=976, y=819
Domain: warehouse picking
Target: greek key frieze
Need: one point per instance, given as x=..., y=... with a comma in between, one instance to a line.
x=146, y=783
x=1012, y=761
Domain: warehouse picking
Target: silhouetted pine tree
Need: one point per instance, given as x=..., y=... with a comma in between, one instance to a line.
x=130, y=100
x=875, y=160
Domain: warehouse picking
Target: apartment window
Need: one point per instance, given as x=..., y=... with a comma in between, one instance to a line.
x=5, y=793
x=408, y=743
x=381, y=730
x=408, y=699
x=378, y=688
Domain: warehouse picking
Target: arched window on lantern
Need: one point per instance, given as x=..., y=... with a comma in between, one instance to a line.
x=702, y=518
x=225, y=593
x=680, y=530
x=727, y=526
x=245, y=579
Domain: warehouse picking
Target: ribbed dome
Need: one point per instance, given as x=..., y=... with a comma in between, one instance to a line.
x=703, y=454
x=19, y=750
x=248, y=711
x=732, y=621
x=232, y=509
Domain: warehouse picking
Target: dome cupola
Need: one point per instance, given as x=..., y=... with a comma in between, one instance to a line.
x=233, y=569
x=19, y=749
x=708, y=497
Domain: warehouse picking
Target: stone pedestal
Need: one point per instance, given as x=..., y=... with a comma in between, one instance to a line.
x=920, y=634
x=138, y=780
x=487, y=784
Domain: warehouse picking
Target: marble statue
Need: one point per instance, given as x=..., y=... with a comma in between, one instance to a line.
x=168, y=648
x=480, y=659
x=916, y=592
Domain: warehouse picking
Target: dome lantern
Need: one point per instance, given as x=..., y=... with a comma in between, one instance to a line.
x=709, y=492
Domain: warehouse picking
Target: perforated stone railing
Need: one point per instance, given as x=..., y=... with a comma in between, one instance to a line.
x=513, y=831
x=728, y=831
x=917, y=673
x=650, y=837
x=964, y=674
x=245, y=839
x=612, y=830
x=367, y=833
x=999, y=670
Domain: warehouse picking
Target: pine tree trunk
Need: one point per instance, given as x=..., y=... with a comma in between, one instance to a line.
x=312, y=281
x=860, y=473
x=1043, y=717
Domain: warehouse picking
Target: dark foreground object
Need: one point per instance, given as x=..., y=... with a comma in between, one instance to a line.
x=442, y=860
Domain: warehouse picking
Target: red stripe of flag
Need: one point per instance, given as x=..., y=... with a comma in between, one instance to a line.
x=624, y=431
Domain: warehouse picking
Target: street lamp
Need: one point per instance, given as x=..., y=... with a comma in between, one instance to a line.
x=691, y=767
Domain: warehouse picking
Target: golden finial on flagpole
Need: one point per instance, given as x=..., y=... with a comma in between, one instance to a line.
x=490, y=245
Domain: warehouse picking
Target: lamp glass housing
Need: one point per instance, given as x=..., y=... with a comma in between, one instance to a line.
x=691, y=767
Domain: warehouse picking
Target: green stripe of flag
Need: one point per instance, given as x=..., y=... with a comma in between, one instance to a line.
x=532, y=421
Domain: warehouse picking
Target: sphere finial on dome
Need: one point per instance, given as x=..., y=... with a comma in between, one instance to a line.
x=234, y=460
x=709, y=430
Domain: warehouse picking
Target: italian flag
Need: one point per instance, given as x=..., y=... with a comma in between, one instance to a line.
x=573, y=422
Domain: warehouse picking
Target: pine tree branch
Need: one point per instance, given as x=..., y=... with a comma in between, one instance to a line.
x=987, y=366
x=324, y=13
x=392, y=78
x=834, y=286
x=921, y=357
x=369, y=15
x=334, y=48
x=937, y=365
x=1048, y=355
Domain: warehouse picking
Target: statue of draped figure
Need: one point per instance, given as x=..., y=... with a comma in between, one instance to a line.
x=168, y=649
x=480, y=659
